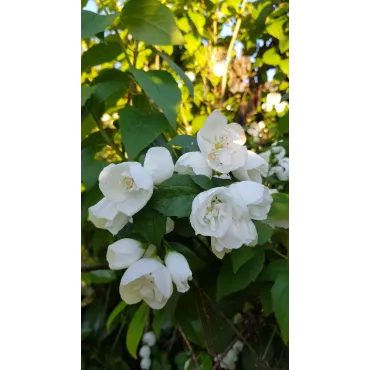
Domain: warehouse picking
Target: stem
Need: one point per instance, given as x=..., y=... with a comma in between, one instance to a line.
x=189, y=346
x=117, y=33
x=108, y=140
x=269, y=343
x=280, y=254
x=231, y=48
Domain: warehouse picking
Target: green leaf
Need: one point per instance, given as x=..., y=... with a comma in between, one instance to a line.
x=229, y=282
x=185, y=141
x=109, y=86
x=206, y=361
x=99, y=54
x=203, y=181
x=198, y=123
x=151, y=225
x=98, y=276
x=178, y=70
x=118, y=309
x=280, y=304
x=136, y=329
x=183, y=24
x=194, y=261
x=151, y=22
x=198, y=19
x=266, y=299
x=271, y=57
x=241, y=256
x=139, y=129
x=285, y=97
x=85, y=94
x=284, y=44
x=284, y=65
x=93, y=23
x=221, y=182
x=283, y=123
x=85, y=332
x=174, y=196
x=162, y=88
x=90, y=168
x=279, y=207
x=96, y=138
x=159, y=319
x=264, y=232
x=87, y=125
x=192, y=43
x=276, y=27
x=274, y=269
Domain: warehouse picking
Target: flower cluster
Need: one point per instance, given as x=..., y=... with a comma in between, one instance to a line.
x=225, y=213
x=276, y=156
x=144, y=352
x=229, y=361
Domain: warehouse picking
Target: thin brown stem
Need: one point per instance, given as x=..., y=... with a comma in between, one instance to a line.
x=231, y=48
x=189, y=347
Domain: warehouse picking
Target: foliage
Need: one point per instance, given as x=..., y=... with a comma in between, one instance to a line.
x=150, y=77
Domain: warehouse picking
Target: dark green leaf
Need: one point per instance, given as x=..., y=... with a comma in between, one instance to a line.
x=241, y=256
x=90, y=168
x=162, y=88
x=87, y=125
x=280, y=207
x=136, y=329
x=194, y=261
x=118, y=309
x=280, y=304
x=85, y=332
x=221, y=182
x=96, y=138
x=266, y=300
x=93, y=23
x=264, y=232
x=99, y=54
x=274, y=269
x=285, y=97
x=151, y=22
x=206, y=361
x=185, y=142
x=283, y=123
x=174, y=196
x=98, y=276
x=160, y=317
x=183, y=228
x=151, y=225
x=138, y=129
x=203, y=181
x=85, y=93
x=178, y=70
x=228, y=282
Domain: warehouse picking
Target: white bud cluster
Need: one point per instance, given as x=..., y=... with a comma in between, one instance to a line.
x=229, y=361
x=144, y=352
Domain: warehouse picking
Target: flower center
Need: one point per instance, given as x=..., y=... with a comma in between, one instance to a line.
x=128, y=182
x=212, y=156
x=214, y=210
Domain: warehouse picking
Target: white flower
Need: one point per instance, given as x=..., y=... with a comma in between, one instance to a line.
x=105, y=215
x=278, y=151
x=266, y=156
x=273, y=101
x=211, y=212
x=232, y=355
x=170, y=225
x=149, y=338
x=159, y=163
x=128, y=185
x=221, y=143
x=179, y=270
x=238, y=346
x=281, y=170
x=146, y=279
x=219, y=69
x=256, y=197
x=193, y=163
x=123, y=253
x=145, y=363
x=254, y=167
x=191, y=75
x=144, y=351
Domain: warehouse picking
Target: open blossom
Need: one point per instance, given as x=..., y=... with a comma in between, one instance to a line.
x=193, y=163
x=179, y=270
x=149, y=280
x=247, y=200
x=254, y=168
x=211, y=212
x=123, y=253
x=128, y=185
x=158, y=162
x=222, y=143
x=105, y=215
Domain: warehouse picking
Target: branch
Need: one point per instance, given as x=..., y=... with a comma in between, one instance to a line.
x=231, y=48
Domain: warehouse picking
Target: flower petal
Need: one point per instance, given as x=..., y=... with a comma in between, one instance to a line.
x=158, y=162
x=140, y=268
x=135, y=201
x=162, y=280
x=141, y=176
x=128, y=294
x=240, y=137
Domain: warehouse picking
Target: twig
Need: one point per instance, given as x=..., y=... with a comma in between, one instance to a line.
x=269, y=344
x=231, y=48
x=189, y=346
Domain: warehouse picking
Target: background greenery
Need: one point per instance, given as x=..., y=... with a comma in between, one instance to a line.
x=134, y=95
